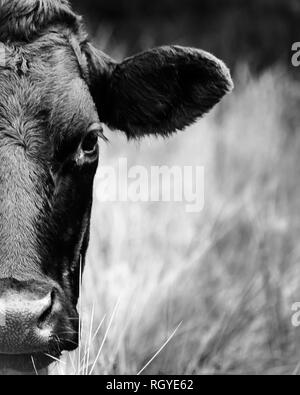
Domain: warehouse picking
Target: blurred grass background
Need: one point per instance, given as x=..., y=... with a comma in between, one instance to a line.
x=231, y=273
x=259, y=32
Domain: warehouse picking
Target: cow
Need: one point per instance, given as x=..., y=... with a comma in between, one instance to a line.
x=56, y=93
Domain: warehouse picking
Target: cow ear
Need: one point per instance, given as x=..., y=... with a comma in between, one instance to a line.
x=157, y=92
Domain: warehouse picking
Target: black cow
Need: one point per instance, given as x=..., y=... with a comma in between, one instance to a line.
x=56, y=90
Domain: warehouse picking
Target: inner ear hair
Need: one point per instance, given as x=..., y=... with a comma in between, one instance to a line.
x=100, y=65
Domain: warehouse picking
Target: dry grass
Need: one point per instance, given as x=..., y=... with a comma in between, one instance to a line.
x=229, y=274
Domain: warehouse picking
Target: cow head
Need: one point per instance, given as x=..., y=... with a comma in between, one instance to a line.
x=56, y=90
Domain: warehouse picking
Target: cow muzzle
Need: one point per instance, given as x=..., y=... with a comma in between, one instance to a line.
x=28, y=317
x=32, y=319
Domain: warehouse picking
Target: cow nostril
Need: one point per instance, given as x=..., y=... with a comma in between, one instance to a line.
x=47, y=310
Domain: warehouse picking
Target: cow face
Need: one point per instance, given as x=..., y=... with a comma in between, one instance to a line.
x=56, y=91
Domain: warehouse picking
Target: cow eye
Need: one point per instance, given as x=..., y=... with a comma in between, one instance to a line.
x=89, y=144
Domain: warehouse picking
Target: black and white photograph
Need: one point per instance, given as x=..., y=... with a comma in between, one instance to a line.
x=149, y=190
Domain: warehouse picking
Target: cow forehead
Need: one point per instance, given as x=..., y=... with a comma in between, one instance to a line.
x=42, y=89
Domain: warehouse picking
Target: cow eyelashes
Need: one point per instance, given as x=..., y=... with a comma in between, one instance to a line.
x=89, y=144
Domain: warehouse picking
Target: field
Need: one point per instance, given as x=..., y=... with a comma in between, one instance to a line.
x=209, y=292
